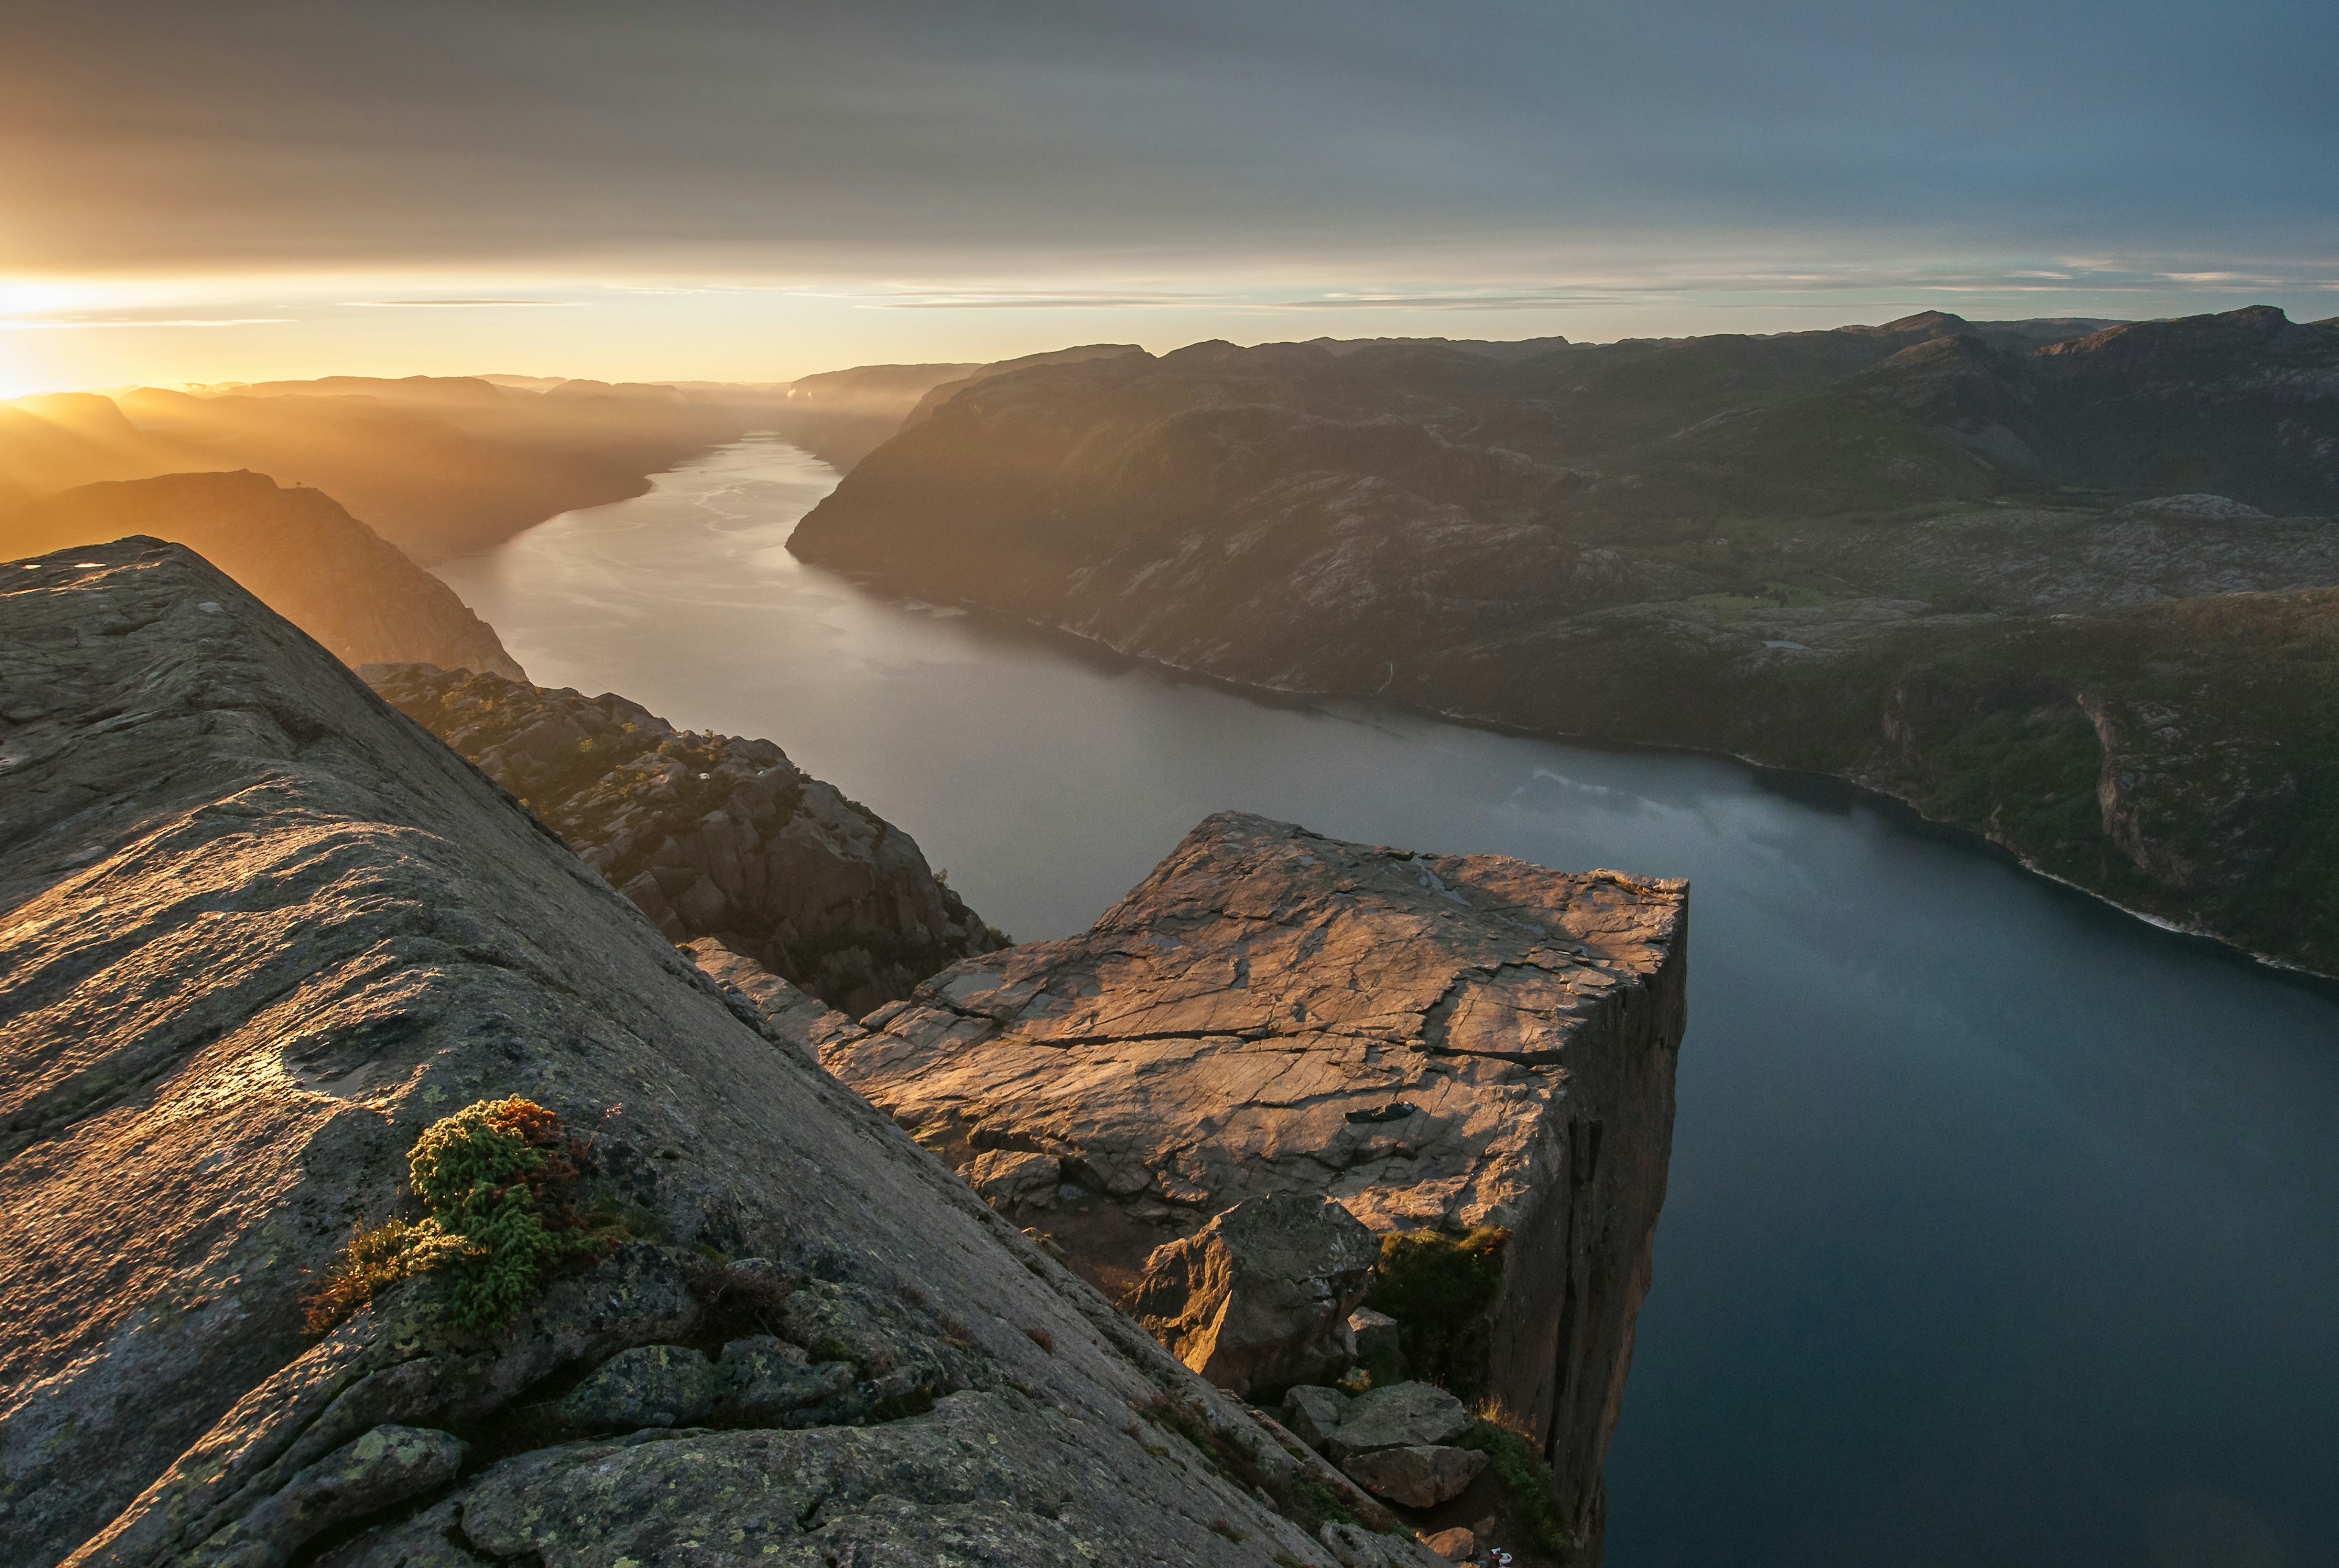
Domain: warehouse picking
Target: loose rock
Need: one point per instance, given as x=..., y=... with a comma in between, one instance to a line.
x=1416, y=1477
x=1375, y=1333
x=1454, y=1544
x=1007, y=1176
x=1313, y=1413
x=1261, y=1295
x=1398, y=1415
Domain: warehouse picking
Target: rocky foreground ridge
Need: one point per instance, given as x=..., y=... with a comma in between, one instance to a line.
x=1473, y=1056
x=311, y=562
x=2069, y=588
x=710, y=836
x=260, y=932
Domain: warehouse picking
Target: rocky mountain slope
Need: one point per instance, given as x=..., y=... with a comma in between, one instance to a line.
x=57, y=441
x=709, y=835
x=1845, y=551
x=1474, y=1056
x=297, y=549
x=264, y=936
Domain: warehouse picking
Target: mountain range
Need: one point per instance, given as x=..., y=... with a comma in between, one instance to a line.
x=2060, y=582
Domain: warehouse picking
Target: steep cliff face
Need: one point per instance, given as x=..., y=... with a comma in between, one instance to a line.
x=1443, y=1044
x=710, y=836
x=309, y=560
x=259, y=931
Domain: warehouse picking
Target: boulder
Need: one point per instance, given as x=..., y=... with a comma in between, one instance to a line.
x=1261, y=1296
x=648, y=1385
x=1415, y=1477
x=1008, y=1178
x=761, y=1379
x=1398, y=1415
x=1312, y=1412
x=1469, y=1046
x=387, y=1466
x=1373, y=1333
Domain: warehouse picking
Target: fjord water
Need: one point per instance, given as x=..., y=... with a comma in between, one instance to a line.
x=2003, y=1228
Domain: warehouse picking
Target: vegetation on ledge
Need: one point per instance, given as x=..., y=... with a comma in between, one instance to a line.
x=499, y=1177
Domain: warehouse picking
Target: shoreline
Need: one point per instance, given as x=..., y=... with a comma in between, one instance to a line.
x=1899, y=806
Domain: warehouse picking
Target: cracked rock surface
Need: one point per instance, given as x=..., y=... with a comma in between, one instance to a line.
x=1438, y=1042
x=257, y=930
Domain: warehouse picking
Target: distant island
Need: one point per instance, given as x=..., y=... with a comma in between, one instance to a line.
x=2066, y=583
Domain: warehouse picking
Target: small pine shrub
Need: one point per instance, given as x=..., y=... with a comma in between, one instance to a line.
x=1534, y=1499
x=1428, y=1276
x=1440, y=1288
x=498, y=1178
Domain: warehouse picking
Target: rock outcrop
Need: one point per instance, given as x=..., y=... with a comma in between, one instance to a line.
x=710, y=834
x=308, y=559
x=1260, y=1298
x=260, y=931
x=1475, y=1047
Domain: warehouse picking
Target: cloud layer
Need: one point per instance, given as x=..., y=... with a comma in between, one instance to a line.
x=1421, y=140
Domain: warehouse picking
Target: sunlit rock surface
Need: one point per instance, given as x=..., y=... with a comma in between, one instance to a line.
x=256, y=930
x=1439, y=1042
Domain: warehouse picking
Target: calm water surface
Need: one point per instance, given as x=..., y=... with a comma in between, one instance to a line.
x=2004, y=1229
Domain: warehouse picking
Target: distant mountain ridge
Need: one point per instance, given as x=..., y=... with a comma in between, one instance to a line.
x=440, y=466
x=1920, y=554
x=296, y=549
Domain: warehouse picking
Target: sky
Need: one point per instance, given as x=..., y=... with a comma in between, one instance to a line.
x=753, y=192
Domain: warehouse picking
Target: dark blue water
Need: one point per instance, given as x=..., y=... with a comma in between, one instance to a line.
x=2004, y=1229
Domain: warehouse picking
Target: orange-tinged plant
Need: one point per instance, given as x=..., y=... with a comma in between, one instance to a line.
x=499, y=1177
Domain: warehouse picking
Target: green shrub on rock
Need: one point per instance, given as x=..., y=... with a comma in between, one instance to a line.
x=498, y=1178
x=1440, y=1288
x=1526, y=1475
